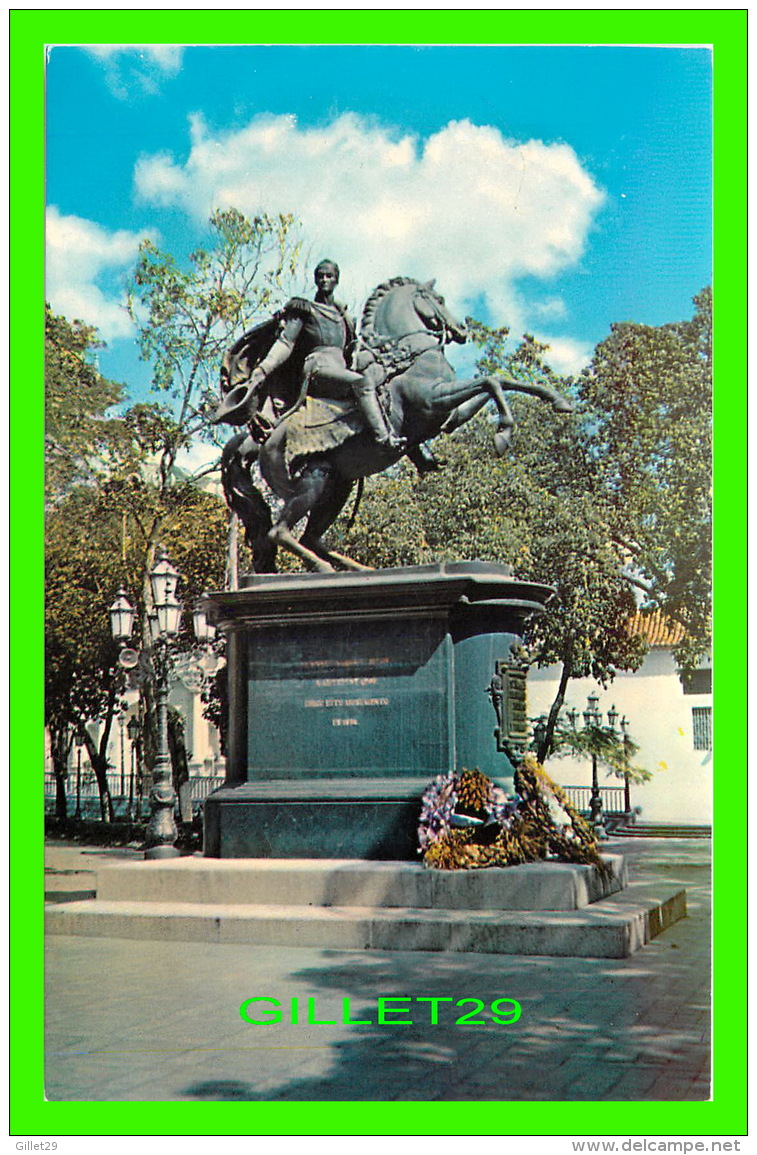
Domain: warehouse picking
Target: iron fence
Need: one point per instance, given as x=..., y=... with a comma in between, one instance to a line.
x=613, y=798
x=121, y=791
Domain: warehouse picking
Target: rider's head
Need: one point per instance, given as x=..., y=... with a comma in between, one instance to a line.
x=326, y=268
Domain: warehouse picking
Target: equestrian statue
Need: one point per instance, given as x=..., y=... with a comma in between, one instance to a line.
x=324, y=407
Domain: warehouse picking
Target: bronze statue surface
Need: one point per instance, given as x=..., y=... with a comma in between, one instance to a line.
x=325, y=407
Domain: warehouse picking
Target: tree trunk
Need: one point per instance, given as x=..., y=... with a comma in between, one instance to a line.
x=546, y=745
x=100, y=768
x=98, y=757
x=60, y=746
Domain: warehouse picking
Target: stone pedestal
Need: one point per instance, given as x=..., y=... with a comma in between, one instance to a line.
x=350, y=692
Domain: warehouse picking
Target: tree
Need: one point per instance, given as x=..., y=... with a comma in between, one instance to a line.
x=649, y=392
x=78, y=431
x=612, y=750
x=79, y=437
x=96, y=540
x=186, y=319
x=82, y=568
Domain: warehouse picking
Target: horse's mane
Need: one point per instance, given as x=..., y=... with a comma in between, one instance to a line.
x=367, y=328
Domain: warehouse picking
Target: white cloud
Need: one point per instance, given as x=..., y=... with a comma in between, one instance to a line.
x=468, y=206
x=550, y=307
x=566, y=355
x=84, y=270
x=137, y=68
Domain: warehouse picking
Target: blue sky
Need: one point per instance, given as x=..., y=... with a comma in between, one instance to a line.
x=554, y=190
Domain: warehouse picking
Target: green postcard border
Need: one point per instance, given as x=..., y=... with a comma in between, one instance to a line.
x=31, y=30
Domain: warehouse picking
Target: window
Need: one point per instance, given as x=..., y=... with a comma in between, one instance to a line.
x=697, y=682
x=701, y=717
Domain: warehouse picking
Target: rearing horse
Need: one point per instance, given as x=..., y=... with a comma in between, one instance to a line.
x=404, y=329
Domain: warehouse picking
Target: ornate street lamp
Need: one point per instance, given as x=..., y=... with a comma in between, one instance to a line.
x=163, y=625
x=203, y=630
x=163, y=580
x=540, y=731
x=593, y=720
x=161, y=828
x=121, y=617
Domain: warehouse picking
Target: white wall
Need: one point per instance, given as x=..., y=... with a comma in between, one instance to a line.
x=660, y=723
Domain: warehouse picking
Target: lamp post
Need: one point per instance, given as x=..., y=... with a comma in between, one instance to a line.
x=122, y=746
x=593, y=720
x=540, y=732
x=624, y=724
x=163, y=625
x=78, y=742
x=161, y=828
x=132, y=729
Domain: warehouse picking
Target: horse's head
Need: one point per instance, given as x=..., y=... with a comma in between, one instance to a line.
x=432, y=310
x=394, y=309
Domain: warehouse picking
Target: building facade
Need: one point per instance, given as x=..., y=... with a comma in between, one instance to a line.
x=670, y=719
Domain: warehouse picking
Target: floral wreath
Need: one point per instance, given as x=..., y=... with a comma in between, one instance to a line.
x=467, y=822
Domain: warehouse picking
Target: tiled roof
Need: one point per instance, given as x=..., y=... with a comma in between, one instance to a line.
x=656, y=629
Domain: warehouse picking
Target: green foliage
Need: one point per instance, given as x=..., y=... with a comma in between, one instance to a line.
x=388, y=529
x=649, y=393
x=186, y=318
x=612, y=750
x=78, y=435
x=95, y=541
x=100, y=539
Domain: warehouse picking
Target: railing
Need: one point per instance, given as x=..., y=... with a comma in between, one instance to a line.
x=201, y=787
x=613, y=798
x=119, y=789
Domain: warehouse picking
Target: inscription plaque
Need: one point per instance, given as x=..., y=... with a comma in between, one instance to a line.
x=376, y=704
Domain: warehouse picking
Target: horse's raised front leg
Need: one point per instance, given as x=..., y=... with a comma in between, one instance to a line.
x=463, y=413
x=559, y=403
x=486, y=389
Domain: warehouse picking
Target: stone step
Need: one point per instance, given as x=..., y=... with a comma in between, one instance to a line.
x=663, y=830
x=353, y=882
x=613, y=927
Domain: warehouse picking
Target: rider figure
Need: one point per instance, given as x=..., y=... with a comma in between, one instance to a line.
x=322, y=335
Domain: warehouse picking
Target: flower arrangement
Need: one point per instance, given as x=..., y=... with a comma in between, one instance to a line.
x=469, y=823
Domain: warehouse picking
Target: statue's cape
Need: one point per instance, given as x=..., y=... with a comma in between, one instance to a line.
x=319, y=425
x=243, y=357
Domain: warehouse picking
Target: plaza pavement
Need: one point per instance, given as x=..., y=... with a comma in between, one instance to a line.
x=148, y=1020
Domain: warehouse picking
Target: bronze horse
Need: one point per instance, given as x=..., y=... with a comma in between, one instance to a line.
x=404, y=329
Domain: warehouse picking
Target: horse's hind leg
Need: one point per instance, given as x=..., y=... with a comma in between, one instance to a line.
x=322, y=517
x=309, y=489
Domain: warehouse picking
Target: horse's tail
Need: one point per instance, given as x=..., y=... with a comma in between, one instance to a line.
x=247, y=502
x=358, y=499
